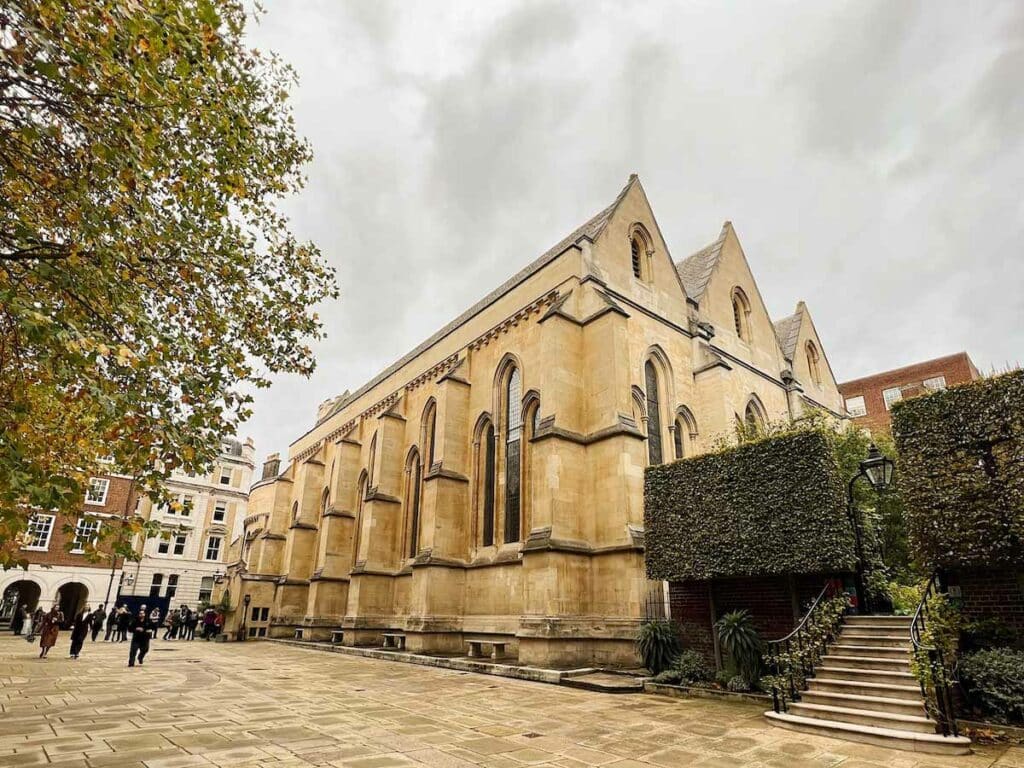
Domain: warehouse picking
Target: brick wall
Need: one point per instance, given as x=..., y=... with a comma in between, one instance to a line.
x=998, y=593
x=768, y=599
x=957, y=369
x=119, y=494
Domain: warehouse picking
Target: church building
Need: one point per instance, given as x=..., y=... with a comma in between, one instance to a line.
x=488, y=486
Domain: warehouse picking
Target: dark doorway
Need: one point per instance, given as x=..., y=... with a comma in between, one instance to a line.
x=19, y=593
x=72, y=598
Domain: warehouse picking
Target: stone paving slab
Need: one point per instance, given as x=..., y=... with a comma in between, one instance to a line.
x=269, y=705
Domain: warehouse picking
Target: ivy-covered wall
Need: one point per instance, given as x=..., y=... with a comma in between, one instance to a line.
x=775, y=506
x=961, y=471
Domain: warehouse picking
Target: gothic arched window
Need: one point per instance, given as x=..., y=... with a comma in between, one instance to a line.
x=513, y=454
x=357, y=533
x=429, y=422
x=412, y=498
x=636, y=249
x=812, y=362
x=654, y=452
x=754, y=418
x=677, y=438
x=741, y=313
x=487, y=473
x=325, y=501
x=372, y=461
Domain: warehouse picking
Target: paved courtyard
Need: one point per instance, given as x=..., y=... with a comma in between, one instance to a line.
x=264, y=704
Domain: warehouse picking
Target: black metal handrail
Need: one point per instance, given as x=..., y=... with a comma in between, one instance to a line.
x=939, y=700
x=808, y=651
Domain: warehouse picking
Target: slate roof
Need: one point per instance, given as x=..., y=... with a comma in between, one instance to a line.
x=696, y=269
x=590, y=230
x=788, y=331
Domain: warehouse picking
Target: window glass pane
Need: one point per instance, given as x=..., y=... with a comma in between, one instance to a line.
x=37, y=536
x=935, y=383
x=97, y=490
x=891, y=395
x=855, y=406
x=654, y=452
x=514, y=411
x=678, y=438
x=213, y=548
x=85, y=532
x=489, y=478
x=220, y=510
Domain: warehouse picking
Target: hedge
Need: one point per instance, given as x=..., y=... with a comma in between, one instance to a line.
x=775, y=506
x=961, y=470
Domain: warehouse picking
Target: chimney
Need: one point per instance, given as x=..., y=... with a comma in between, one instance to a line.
x=272, y=466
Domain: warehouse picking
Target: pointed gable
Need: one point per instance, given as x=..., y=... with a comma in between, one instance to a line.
x=696, y=269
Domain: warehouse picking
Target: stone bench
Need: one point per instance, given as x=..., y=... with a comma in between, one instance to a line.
x=496, y=648
x=337, y=636
x=394, y=640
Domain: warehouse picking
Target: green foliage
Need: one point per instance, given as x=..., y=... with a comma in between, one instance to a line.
x=994, y=681
x=905, y=598
x=821, y=628
x=767, y=507
x=961, y=460
x=738, y=684
x=942, y=632
x=658, y=644
x=148, y=281
x=687, y=668
x=741, y=641
x=988, y=632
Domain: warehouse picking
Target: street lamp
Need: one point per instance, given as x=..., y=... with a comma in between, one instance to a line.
x=878, y=470
x=245, y=613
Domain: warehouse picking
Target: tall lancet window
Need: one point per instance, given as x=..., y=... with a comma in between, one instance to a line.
x=487, y=538
x=513, y=454
x=654, y=453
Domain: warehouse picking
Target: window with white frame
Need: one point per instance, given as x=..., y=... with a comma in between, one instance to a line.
x=186, y=505
x=220, y=511
x=935, y=383
x=179, y=543
x=206, y=589
x=37, y=536
x=213, y=548
x=172, y=585
x=225, y=475
x=163, y=546
x=86, y=531
x=154, y=587
x=96, y=493
x=855, y=406
x=891, y=395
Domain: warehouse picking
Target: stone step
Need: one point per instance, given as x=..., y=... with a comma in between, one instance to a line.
x=889, y=620
x=887, y=640
x=872, y=651
x=887, y=663
x=883, y=676
x=914, y=707
x=930, y=743
x=864, y=688
x=843, y=714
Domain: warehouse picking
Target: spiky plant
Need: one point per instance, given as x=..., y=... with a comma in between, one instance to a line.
x=658, y=644
x=739, y=638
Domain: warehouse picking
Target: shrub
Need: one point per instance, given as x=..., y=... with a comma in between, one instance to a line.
x=769, y=507
x=961, y=465
x=994, y=681
x=740, y=640
x=738, y=683
x=687, y=668
x=987, y=632
x=658, y=644
x=905, y=599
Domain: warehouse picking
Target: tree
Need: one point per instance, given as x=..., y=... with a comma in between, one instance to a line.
x=148, y=282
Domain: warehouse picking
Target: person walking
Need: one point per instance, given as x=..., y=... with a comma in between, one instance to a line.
x=32, y=624
x=96, y=620
x=124, y=623
x=154, y=619
x=112, y=622
x=209, y=623
x=142, y=630
x=49, y=630
x=79, y=631
x=18, y=620
x=190, y=625
x=171, y=625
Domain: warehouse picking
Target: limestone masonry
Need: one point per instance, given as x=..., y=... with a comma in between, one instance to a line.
x=489, y=484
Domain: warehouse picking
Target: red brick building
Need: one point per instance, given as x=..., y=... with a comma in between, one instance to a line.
x=59, y=570
x=868, y=399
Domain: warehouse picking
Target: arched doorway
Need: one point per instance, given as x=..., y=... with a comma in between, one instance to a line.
x=71, y=597
x=19, y=593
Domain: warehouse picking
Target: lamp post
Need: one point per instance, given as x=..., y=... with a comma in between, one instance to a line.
x=245, y=613
x=878, y=470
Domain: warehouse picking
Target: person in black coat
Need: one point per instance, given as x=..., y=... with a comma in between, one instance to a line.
x=124, y=623
x=79, y=629
x=142, y=630
x=18, y=620
x=96, y=620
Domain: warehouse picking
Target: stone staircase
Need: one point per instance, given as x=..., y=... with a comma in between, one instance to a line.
x=863, y=690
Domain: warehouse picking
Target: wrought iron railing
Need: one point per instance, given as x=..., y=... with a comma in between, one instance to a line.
x=791, y=659
x=933, y=672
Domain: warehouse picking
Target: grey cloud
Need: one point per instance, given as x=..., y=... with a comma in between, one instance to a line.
x=870, y=155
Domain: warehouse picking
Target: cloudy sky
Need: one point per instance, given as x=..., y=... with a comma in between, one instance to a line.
x=870, y=155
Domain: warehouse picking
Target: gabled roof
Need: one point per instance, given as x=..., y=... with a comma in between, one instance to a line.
x=788, y=331
x=589, y=231
x=696, y=269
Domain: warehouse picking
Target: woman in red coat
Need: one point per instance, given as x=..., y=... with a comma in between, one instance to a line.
x=49, y=630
